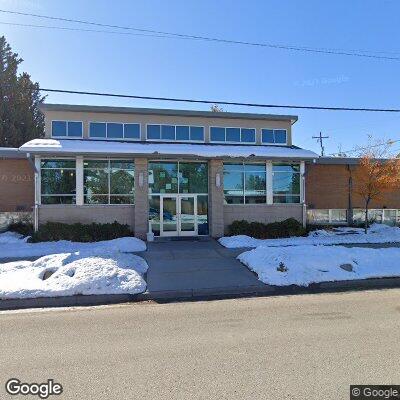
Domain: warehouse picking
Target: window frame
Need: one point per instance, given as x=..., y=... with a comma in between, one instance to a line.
x=265, y=164
x=281, y=172
x=233, y=127
x=123, y=130
x=109, y=195
x=273, y=131
x=175, y=140
x=41, y=195
x=67, y=129
x=178, y=161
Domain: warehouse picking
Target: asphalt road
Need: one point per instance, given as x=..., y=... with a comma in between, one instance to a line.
x=304, y=347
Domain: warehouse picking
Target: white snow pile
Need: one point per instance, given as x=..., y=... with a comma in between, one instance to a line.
x=377, y=233
x=302, y=265
x=16, y=246
x=70, y=268
x=73, y=274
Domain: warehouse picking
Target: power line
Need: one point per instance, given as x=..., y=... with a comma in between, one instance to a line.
x=353, y=53
x=87, y=30
x=230, y=103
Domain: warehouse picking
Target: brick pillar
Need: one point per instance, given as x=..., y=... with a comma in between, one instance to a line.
x=141, y=198
x=216, y=198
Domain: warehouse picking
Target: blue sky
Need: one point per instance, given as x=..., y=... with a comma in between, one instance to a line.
x=196, y=69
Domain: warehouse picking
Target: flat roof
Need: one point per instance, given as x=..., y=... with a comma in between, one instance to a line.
x=166, y=111
x=53, y=147
x=11, y=152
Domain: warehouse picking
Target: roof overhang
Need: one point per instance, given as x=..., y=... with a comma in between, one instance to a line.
x=69, y=147
x=167, y=112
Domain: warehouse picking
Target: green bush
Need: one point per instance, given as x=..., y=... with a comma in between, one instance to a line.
x=53, y=231
x=287, y=228
x=22, y=227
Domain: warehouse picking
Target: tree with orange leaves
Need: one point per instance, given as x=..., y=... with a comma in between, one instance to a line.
x=376, y=175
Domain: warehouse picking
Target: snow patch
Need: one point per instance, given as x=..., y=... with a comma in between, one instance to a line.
x=305, y=265
x=377, y=233
x=15, y=246
x=73, y=274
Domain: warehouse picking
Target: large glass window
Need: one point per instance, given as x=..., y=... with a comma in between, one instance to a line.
x=173, y=177
x=232, y=135
x=274, y=136
x=245, y=183
x=66, y=129
x=114, y=130
x=58, y=181
x=175, y=133
x=286, y=183
x=109, y=181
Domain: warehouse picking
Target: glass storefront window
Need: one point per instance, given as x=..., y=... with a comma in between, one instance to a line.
x=245, y=183
x=286, y=183
x=193, y=178
x=58, y=181
x=163, y=177
x=202, y=215
x=109, y=181
x=154, y=214
x=173, y=177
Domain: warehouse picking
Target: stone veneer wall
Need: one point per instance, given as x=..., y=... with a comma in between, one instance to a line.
x=69, y=214
x=264, y=213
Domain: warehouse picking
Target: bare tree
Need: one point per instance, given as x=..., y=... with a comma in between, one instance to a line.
x=216, y=108
x=377, y=173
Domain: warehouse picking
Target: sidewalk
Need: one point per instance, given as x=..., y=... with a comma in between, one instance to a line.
x=196, y=267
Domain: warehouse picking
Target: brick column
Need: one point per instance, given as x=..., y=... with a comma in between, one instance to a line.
x=216, y=198
x=141, y=198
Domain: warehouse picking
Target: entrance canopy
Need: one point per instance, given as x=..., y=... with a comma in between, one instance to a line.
x=110, y=148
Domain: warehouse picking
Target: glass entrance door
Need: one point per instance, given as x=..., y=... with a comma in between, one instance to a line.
x=169, y=216
x=187, y=215
x=178, y=215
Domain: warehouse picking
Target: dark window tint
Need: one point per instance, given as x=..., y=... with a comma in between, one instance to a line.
x=115, y=131
x=248, y=135
x=233, y=134
x=132, y=131
x=280, y=136
x=97, y=130
x=267, y=136
x=182, y=133
x=59, y=128
x=167, y=132
x=196, y=133
x=217, y=134
x=153, y=132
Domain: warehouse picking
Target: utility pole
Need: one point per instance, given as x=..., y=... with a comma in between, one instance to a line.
x=319, y=140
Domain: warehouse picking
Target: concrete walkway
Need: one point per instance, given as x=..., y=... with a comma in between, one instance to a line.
x=196, y=268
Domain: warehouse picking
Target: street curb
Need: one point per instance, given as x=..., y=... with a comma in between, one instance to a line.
x=201, y=294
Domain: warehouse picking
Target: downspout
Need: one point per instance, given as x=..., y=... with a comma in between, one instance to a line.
x=36, y=205
x=303, y=191
x=350, y=203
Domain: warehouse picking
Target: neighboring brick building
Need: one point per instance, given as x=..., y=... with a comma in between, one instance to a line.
x=16, y=181
x=330, y=194
x=17, y=188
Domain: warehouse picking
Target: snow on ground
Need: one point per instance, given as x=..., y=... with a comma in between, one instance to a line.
x=73, y=273
x=378, y=233
x=306, y=265
x=106, y=267
x=15, y=246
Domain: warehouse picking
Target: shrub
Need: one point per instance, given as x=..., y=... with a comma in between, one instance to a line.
x=288, y=227
x=22, y=227
x=53, y=231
